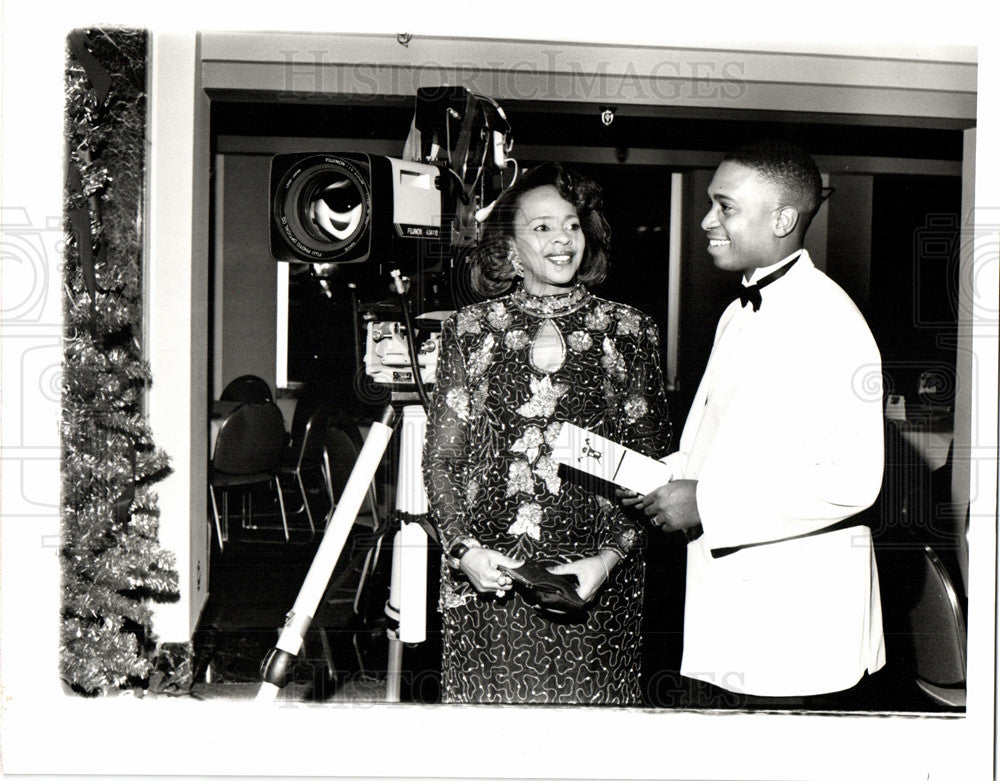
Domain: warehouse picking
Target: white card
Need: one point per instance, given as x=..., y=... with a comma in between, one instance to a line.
x=603, y=458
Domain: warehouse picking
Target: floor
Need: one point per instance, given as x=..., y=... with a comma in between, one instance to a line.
x=256, y=579
x=253, y=584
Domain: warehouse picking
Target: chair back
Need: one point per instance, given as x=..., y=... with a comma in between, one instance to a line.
x=250, y=441
x=314, y=439
x=938, y=626
x=343, y=446
x=249, y=389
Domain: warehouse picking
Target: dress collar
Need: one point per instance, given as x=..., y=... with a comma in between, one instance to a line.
x=552, y=305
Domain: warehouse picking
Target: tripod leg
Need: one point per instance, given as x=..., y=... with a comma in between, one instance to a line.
x=393, y=680
x=407, y=603
x=338, y=527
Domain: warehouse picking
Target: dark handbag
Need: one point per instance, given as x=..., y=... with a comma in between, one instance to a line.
x=553, y=592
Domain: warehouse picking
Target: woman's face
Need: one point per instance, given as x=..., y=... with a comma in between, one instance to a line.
x=549, y=241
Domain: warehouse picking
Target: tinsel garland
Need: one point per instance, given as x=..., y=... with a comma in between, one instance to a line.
x=112, y=562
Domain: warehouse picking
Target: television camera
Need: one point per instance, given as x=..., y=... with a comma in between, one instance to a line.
x=356, y=219
x=395, y=230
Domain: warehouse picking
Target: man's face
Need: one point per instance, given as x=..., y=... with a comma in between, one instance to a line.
x=740, y=224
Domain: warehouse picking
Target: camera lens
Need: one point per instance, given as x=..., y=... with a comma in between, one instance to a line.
x=322, y=206
x=332, y=207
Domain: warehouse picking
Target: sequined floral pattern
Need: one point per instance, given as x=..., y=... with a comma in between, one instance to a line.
x=490, y=474
x=516, y=339
x=479, y=395
x=471, y=490
x=458, y=400
x=528, y=521
x=519, y=478
x=548, y=470
x=599, y=319
x=579, y=341
x=529, y=443
x=498, y=317
x=468, y=321
x=545, y=394
x=612, y=360
x=636, y=407
x=480, y=358
x=629, y=321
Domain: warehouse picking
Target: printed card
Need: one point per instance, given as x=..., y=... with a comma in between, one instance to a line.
x=609, y=461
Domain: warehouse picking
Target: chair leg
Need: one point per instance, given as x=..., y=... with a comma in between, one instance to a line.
x=362, y=579
x=371, y=562
x=215, y=513
x=373, y=506
x=281, y=504
x=305, y=501
x=357, y=653
x=331, y=667
x=327, y=479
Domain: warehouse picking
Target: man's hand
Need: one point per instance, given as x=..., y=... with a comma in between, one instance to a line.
x=673, y=506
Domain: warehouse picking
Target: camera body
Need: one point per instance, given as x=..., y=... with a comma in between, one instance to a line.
x=353, y=208
x=387, y=358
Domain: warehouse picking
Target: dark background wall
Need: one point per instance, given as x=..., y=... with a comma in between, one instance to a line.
x=887, y=234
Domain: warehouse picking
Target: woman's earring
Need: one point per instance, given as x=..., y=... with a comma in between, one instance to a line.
x=515, y=261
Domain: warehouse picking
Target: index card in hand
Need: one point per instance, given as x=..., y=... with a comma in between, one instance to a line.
x=578, y=448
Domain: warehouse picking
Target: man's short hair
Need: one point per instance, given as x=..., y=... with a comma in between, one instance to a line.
x=789, y=166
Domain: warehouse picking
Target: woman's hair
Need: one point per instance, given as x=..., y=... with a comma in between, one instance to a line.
x=492, y=272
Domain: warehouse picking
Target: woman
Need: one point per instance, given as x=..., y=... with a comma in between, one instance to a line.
x=511, y=371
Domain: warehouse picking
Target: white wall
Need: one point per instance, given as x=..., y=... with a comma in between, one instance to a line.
x=176, y=317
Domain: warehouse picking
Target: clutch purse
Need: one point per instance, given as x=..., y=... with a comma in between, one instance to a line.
x=553, y=592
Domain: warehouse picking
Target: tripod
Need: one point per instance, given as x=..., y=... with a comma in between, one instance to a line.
x=406, y=606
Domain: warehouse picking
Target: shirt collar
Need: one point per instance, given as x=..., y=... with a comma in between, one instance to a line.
x=765, y=270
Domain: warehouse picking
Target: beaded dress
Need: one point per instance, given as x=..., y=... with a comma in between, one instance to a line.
x=510, y=372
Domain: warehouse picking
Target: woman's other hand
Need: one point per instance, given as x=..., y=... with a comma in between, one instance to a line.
x=591, y=572
x=480, y=566
x=628, y=498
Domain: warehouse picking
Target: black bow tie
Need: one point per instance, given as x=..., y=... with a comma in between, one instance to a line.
x=750, y=294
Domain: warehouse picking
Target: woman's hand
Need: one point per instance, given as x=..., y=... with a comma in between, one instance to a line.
x=480, y=567
x=591, y=572
x=628, y=498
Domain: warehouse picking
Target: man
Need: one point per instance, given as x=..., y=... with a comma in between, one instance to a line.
x=782, y=446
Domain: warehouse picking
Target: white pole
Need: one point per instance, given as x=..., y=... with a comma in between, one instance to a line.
x=408, y=584
x=337, y=529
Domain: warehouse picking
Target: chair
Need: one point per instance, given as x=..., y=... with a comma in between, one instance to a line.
x=309, y=457
x=939, y=635
x=341, y=448
x=249, y=389
x=248, y=451
x=343, y=445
